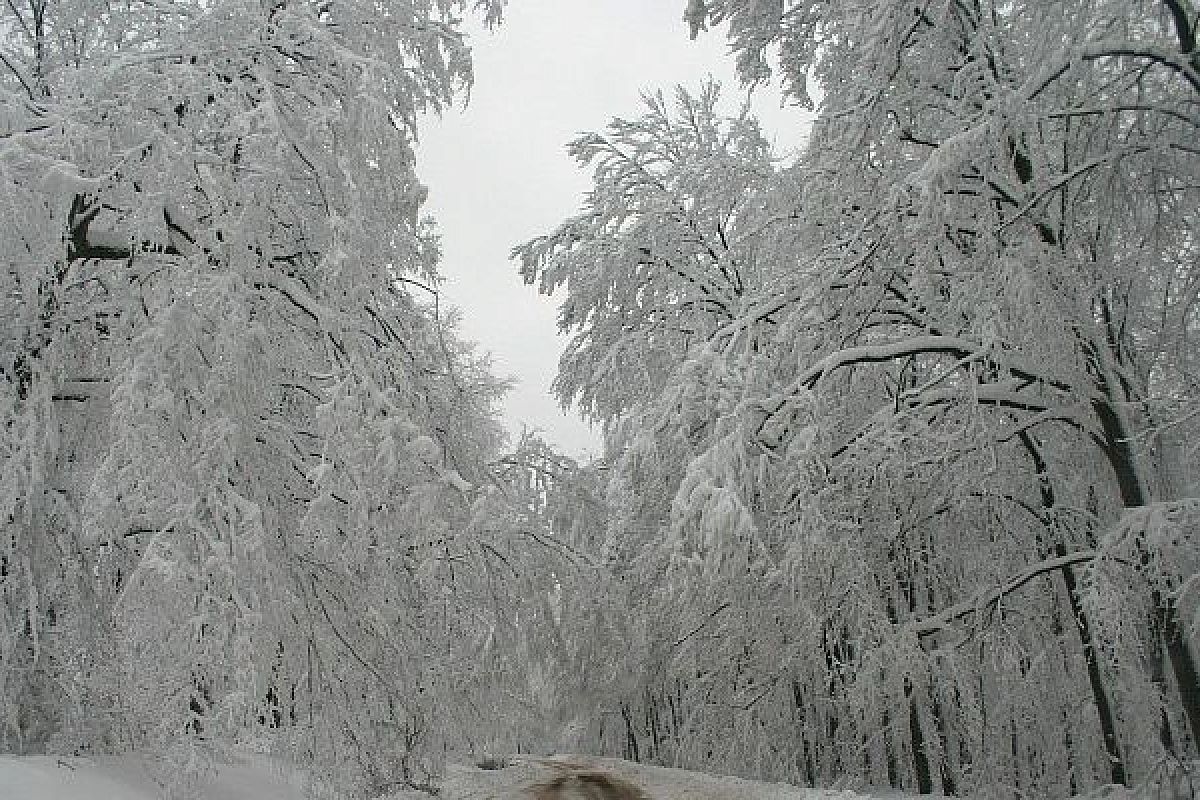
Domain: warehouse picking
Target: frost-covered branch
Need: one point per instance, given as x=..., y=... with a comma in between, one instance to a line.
x=994, y=596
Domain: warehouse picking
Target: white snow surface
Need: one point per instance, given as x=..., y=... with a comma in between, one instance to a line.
x=256, y=777
x=133, y=778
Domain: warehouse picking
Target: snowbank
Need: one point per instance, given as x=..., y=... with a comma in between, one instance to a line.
x=258, y=778
x=131, y=778
x=255, y=778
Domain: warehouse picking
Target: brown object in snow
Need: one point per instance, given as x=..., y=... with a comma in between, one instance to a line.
x=586, y=784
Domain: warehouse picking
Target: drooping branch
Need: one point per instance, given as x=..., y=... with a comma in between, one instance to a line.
x=993, y=596
x=890, y=351
x=1179, y=64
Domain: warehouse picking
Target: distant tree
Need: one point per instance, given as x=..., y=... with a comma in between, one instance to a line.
x=663, y=252
x=671, y=245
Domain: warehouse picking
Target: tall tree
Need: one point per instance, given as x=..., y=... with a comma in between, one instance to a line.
x=242, y=446
x=1039, y=209
x=934, y=454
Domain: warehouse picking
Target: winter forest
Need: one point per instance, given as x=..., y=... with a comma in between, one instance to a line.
x=900, y=482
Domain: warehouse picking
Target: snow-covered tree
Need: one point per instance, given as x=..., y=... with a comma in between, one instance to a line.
x=931, y=474
x=1019, y=178
x=242, y=447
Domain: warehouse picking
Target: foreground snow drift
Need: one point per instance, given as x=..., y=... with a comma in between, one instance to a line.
x=258, y=778
x=132, y=778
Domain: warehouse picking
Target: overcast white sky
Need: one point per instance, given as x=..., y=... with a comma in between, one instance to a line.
x=499, y=174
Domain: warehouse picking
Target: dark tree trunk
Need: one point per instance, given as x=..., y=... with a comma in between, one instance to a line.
x=810, y=772
x=920, y=756
x=1104, y=708
x=1103, y=704
x=652, y=725
x=1166, y=618
x=949, y=785
x=631, y=742
x=1015, y=750
x=893, y=777
x=1184, y=666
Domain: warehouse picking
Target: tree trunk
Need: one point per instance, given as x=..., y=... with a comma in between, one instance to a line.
x=631, y=742
x=652, y=725
x=893, y=777
x=1100, y=698
x=1183, y=664
x=1166, y=618
x=949, y=785
x=920, y=756
x=810, y=773
x=1104, y=708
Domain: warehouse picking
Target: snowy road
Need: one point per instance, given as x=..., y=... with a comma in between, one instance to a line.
x=257, y=778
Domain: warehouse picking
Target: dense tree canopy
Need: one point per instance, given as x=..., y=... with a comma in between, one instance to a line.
x=245, y=456
x=906, y=434
x=899, y=485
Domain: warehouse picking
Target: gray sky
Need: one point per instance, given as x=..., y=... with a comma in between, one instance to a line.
x=499, y=174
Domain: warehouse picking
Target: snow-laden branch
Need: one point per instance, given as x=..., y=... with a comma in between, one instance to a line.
x=1080, y=170
x=1174, y=61
x=299, y=296
x=961, y=348
x=1005, y=393
x=890, y=351
x=1001, y=395
x=993, y=596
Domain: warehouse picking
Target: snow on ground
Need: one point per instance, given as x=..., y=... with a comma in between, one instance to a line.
x=662, y=783
x=258, y=778
x=132, y=778
x=659, y=783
